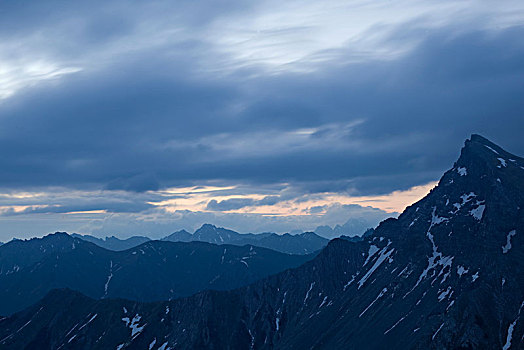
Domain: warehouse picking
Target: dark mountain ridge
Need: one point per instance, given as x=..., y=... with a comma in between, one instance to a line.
x=446, y=274
x=152, y=271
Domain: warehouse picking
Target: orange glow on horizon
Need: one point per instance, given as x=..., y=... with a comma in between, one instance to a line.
x=396, y=201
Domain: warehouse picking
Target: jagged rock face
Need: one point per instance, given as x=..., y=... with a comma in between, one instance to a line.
x=152, y=271
x=446, y=274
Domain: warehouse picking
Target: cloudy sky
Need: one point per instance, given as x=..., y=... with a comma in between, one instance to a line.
x=130, y=117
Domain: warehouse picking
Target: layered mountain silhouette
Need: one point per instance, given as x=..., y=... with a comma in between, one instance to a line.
x=149, y=272
x=114, y=243
x=304, y=243
x=446, y=274
x=354, y=227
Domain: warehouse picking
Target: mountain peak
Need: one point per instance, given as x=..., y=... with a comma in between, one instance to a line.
x=212, y=234
x=206, y=228
x=482, y=159
x=179, y=236
x=480, y=139
x=53, y=238
x=478, y=147
x=482, y=143
x=484, y=185
x=58, y=235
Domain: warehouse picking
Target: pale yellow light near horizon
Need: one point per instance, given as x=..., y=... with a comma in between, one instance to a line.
x=196, y=199
x=18, y=208
x=396, y=201
x=193, y=189
x=103, y=211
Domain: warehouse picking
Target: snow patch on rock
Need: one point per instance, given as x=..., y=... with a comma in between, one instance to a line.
x=461, y=270
x=510, y=329
x=383, y=255
x=474, y=277
x=372, y=250
x=437, y=258
x=507, y=247
x=478, y=212
x=444, y=294
x=462, y=171
x=382, y=292
x=133, y=324
x=491, y=149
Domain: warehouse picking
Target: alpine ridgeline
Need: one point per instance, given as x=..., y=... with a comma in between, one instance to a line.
x=152, y=271
x=448, y=273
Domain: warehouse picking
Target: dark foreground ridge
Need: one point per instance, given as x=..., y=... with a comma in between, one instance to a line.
x=152, y=271
x=446, y=274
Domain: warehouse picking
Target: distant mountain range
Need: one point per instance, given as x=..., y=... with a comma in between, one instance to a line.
x=354, y=227
x=304, y=243
x=114, y=243
x=152, y=271
x=447, y=274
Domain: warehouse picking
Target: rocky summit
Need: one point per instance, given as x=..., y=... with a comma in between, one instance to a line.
x=446, y=274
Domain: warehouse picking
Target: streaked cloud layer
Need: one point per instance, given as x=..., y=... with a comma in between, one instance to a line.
x=283, y=109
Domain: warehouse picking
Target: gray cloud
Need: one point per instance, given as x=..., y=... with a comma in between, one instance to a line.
x=238, y=203
x=111, y=207
x=159, y=100
x=137, y=183
x=106, y=128
x=229, y=204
